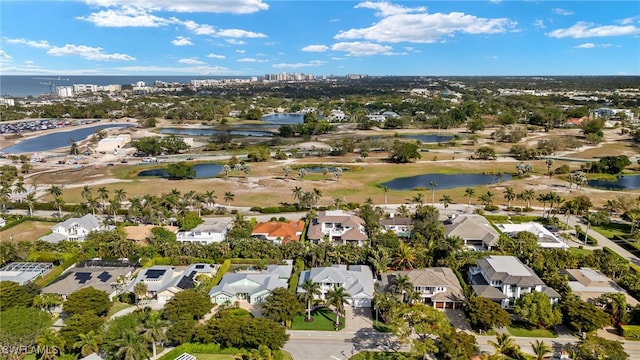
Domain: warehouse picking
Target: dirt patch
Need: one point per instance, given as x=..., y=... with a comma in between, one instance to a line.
x=26, y=231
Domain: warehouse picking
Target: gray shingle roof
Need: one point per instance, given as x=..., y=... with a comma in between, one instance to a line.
x=473, y=227
x=509, y=270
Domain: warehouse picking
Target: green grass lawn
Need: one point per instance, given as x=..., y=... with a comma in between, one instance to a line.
x=117, y=306
x=214, y=356
x=516, y=330
x=612, y=229
x=323, y=319
x=580, y=252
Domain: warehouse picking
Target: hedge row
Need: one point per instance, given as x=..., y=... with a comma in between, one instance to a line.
x=190, y=348
x=631, y=332
x=221, y=271
x=298, y=267
x=69, y=260
x=176, y=261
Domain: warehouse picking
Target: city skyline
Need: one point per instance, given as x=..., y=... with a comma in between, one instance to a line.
x=256, y=37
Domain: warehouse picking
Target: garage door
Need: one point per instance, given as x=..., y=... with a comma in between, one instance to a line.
x=359, y=303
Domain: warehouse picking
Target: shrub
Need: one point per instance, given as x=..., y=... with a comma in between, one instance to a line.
x=221, y=271
x=631, y=332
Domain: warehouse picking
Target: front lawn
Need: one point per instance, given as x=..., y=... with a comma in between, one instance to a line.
x=520, y=331
x=612, y=229
x=117, y=306
x=214, y=356
x=323, y=319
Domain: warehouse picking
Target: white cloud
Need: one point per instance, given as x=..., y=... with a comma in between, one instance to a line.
x=252, y=60
x=240, y=51
x=400, y=24
x=315, y=48
x=361, y=48
x=125, y=16
x=559, y=11
x=539, y=23
x=585, y=30
x=237, y=33
x=181, y=41
x=4, y=56
x=203, y=70
x=87, y=52
x=592, y=45
x=216, y=56
x=187, y=6
x=235, y=41
x=629, y=20
x=199, y=29
x=191, y=61
x=387, y=9
x=312, y=63
x=41, y=44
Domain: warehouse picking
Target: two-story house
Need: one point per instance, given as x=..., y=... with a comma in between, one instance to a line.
x=337, y=227
x=279, y=232
x=438, y=286
x=401, y=226
x=475, y=230
x=74, y=229
x=357, y=280
x=505, y=278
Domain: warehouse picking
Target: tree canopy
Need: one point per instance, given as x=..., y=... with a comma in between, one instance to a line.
x=187, y=302
x=537, y=309
x=404, y=152
x=484, y=314
x=87, y=300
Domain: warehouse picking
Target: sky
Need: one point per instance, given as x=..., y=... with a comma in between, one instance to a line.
x=338, y=37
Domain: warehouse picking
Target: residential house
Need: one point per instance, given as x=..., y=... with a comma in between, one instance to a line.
x=337, y=227
x=401, y=226
x=74, y=229
x=24, y=272
x=475, y=230
x=3, y=222
x=109, y=277
x=279, y=232
x=213, y=230
x=546, y=239
x=251, y=286
x=164, y=281
x=357, y=280
x=337, y=116
x=505, y=278
x=438, y=287
x=590, y=283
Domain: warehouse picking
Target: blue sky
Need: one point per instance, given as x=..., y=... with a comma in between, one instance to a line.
x=256, y=37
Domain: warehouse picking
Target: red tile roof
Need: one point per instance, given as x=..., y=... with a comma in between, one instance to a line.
x=286, y=231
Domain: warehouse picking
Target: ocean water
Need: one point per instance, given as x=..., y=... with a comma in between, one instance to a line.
x=24, y=85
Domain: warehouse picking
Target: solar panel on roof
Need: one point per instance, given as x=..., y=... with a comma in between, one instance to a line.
x=82, y=277
x=155, y=274
x=104, y=276
x=200, y=266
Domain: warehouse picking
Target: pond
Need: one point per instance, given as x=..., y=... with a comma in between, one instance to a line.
x=444, y=181
x=57, y=139
x=425, y=138
x=283, y=119
x=210, y=132
x=208, y=170
x=621, y=183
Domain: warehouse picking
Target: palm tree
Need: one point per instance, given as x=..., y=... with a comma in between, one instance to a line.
x=380, y=259
x=509, y=195
x=59, y=203
x=385, y=189
x=337, y=297
x=405, y=257
x=154, y=331
x=549, y=163
x=528, y=195
x=402, y=286
x=446, y=200
x=543, y=198
x=311, y=290
x=287, y=170
x=469, y=192
x=132, y=346
x=120, y=195
x=504, y=342
x=104, y=196
x=228, y=197
x=418, y=198
x=297, y=194
x=302, y=172
x=88, y=343
x=540, y=349
x=433, y=185
x=31, y=201
x=19, y=189
x=49, y=344
x=86, y=192
x=55, y=190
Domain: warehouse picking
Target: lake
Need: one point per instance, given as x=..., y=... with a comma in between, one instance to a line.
x=279, y=119
x=622, y=183
x=208, y=170
x=444, y=181
x=57, y=139
x=425, y=138
x=210, y=132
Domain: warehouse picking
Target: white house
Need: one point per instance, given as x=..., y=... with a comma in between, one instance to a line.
x=164, y=281
x=251, y=286
x=73, y=229
x=337, y=116
x=337, y=227
x=546, y=239
x=357, y=280
x=505, y=278
x=213, y=230
x=401, y=226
